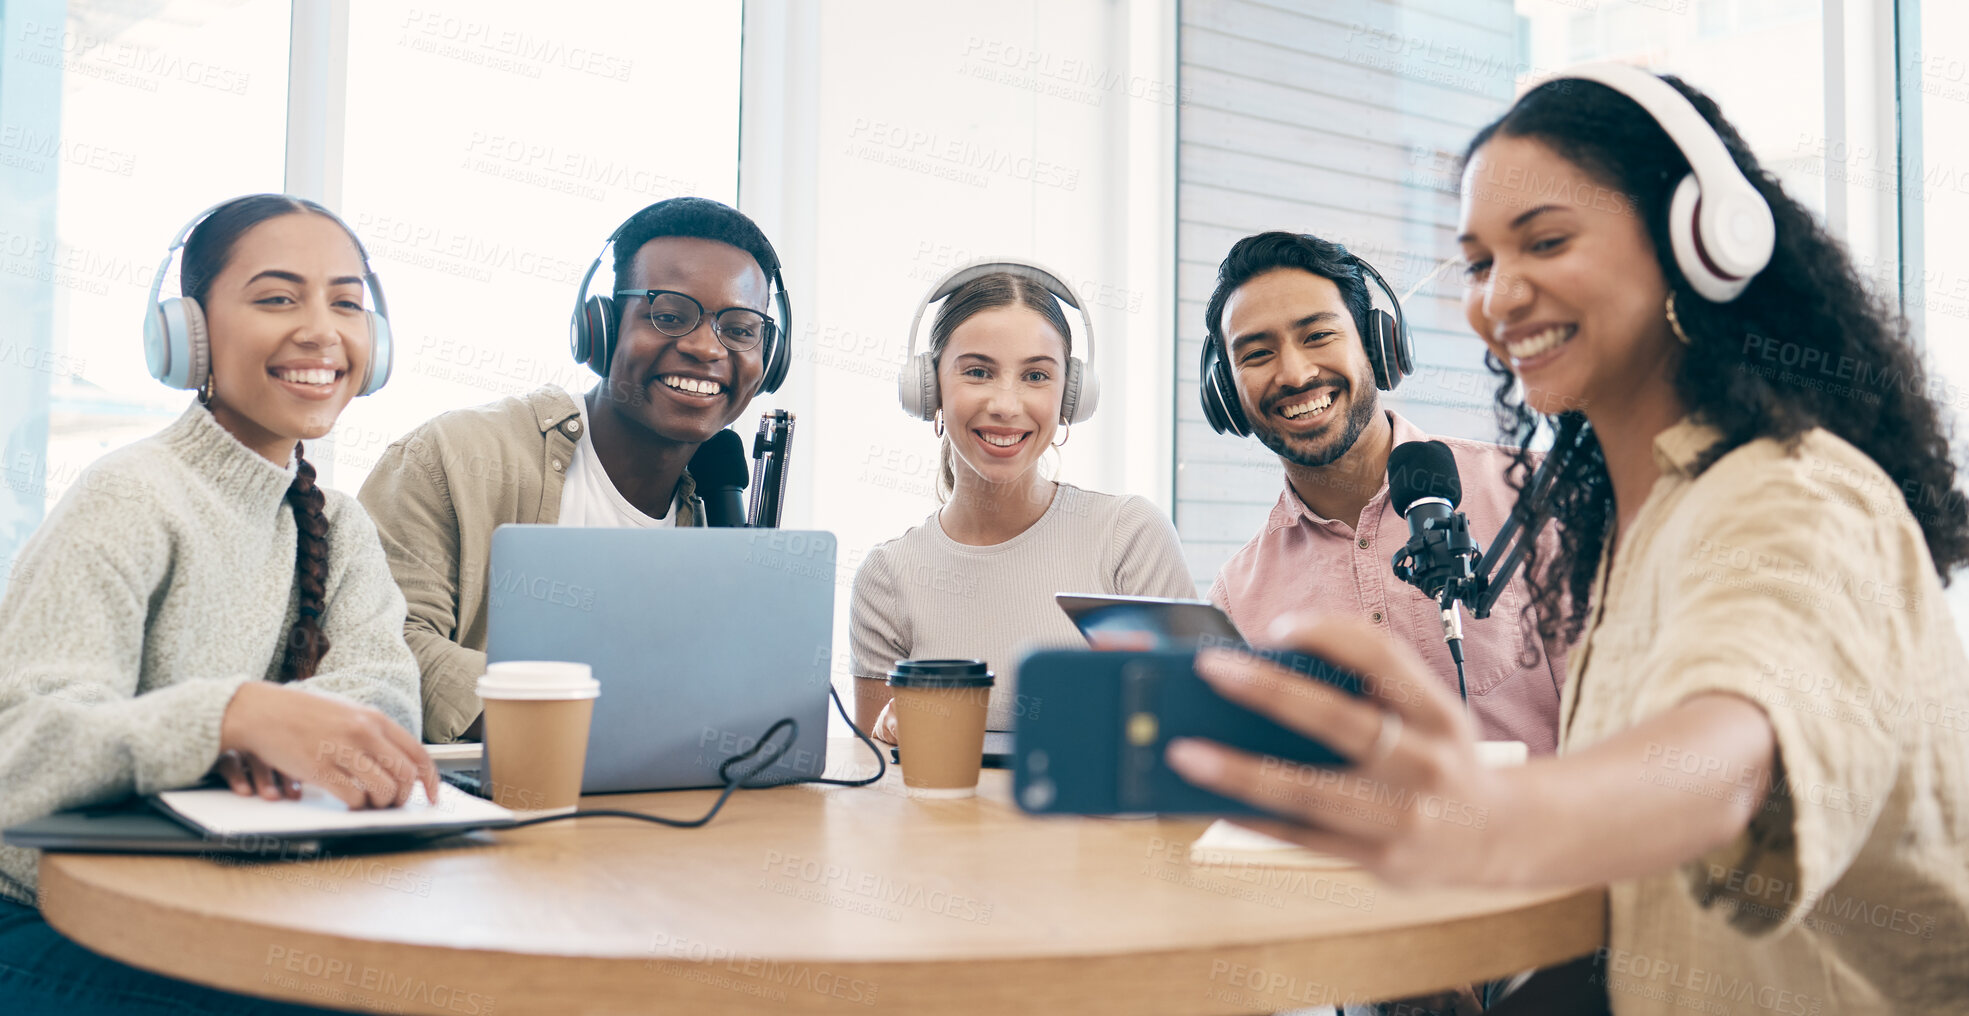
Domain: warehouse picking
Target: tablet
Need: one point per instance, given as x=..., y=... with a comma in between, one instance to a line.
x=1147, y=623
x=133, y=826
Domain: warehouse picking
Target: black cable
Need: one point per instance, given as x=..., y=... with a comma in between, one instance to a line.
x=731, y=783
x=881, y=763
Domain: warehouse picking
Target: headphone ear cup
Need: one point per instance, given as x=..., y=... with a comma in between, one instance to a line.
x=1083, y=392
x=382, y=354
x=594, y=334
x=1383, y=349
x=1683, y=223
x=174, y=343
x=196, y=346
x=777, y=358
x=928, y=397
x=1217, y=390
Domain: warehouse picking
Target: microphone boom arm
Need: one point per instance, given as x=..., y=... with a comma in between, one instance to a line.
x=1515, y=537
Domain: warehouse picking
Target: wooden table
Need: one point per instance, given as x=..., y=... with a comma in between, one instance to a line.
x=807, y=899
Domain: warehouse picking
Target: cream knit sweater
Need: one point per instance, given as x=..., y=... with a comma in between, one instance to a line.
x=162, y=581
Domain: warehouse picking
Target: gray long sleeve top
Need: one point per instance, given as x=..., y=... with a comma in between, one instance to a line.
x=162, y=581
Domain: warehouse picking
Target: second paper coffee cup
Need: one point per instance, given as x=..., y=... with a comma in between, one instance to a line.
x=940, y=708
x=536, y=732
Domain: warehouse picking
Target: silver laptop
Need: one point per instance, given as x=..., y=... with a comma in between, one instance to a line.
x=701, y=640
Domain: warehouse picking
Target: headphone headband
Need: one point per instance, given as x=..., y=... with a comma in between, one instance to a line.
x=957, y=277
x=174, y=330
x=916, y=384
x=1729, y=232
x=591, y=331
x=1384, y=337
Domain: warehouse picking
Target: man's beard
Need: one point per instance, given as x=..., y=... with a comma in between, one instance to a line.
x=1360, y=413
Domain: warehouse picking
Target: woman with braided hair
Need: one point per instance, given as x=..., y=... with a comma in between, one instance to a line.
x=196, y=604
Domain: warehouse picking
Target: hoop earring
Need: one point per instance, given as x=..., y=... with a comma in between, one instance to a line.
x=1066, y=431
x=1675, y=324
x=939, y=423
x=205, y=390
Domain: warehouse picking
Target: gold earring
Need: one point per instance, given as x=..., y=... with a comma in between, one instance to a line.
x=939, y=423
x=1675, y=324
x=1066, y=431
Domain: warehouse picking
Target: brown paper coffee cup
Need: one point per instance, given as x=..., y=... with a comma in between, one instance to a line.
x=536, y=733
x=940, y=708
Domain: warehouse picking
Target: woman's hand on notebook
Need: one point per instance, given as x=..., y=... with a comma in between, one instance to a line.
x=352, y=751
x=248, y=776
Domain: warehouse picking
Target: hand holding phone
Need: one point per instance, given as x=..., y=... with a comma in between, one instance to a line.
x=1416, y=804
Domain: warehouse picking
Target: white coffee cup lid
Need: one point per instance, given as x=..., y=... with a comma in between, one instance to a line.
x=538, y=679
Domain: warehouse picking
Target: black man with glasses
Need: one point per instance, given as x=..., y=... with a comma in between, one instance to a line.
x=691, y=333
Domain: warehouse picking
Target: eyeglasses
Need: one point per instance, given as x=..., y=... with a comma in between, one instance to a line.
x=677, y=315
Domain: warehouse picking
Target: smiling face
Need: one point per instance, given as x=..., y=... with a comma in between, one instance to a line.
x=1566, y=291
x=689, y=388
x=1001, y=378
x=290, y=343
x=1302, y=374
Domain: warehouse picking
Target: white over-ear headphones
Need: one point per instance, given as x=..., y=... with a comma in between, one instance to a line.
x=179, y=352
x=917, y=383
x=1720, y=227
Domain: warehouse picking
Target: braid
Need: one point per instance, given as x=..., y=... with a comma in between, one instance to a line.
x=306, y=644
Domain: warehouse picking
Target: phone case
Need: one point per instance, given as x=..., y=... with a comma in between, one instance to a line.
x=1094, y=743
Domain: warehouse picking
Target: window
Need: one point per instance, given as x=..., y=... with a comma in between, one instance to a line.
x=491, y=149
x=114, y=129
x=1935, y=211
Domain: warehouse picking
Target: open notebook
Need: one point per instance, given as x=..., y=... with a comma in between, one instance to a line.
x=219, y=813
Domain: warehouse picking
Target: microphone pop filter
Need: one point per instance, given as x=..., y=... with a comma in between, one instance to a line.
x=720, y=462
x=1421, y=469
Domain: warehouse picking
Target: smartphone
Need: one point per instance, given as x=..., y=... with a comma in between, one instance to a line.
x=1095, y=744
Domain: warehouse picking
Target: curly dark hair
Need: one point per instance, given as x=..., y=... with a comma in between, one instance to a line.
x=1810, y=301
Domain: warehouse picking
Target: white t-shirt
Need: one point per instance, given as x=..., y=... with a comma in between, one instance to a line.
x=589, y=497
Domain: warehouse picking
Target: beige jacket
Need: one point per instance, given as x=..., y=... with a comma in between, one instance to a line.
x=1797, y=579
x=437, y=494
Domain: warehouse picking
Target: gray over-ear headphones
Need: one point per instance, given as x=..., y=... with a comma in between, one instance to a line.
x=916, y=384
x=178, y=350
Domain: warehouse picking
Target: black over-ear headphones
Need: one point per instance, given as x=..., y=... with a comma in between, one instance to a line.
x=1389, y=352
x=592, y=332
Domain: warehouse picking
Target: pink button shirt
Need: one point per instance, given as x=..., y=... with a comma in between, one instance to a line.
x=1302, y=562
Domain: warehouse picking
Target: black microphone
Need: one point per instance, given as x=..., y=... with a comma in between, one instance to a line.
x=720, y=472
x=1440, y=557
